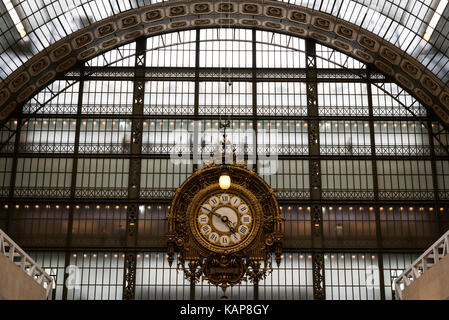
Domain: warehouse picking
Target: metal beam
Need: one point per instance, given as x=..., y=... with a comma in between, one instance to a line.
x=375, y=189
x=282, y=201
x=132, y=214
x=73, y=183
x=433, y=159
x=316, y=211
x=217, y=74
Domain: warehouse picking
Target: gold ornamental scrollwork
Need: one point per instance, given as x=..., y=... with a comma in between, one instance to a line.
x=255, y=230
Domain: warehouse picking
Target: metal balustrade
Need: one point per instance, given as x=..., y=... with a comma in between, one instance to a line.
x=14, y=253
x=432, y=255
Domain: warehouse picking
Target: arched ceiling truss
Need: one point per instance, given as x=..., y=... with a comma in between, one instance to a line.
x=39, y=71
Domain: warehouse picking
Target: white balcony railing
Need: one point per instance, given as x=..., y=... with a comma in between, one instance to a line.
x=12, y=251
x=432, y=255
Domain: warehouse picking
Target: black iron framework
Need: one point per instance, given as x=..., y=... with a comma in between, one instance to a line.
x=129, y=281
x=73, y=184
x=310, y=154
x=376, y=188
x=316, y=218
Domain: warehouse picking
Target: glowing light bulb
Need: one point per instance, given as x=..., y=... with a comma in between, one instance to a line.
x=224, y=181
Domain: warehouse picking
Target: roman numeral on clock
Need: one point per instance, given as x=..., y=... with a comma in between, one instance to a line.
x=246, y=219
x=206, y=229
x=243, y=229
x=213, y=237
x=213, y=201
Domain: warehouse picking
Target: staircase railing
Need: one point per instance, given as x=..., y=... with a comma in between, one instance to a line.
x=431, y=256
x=14, y=253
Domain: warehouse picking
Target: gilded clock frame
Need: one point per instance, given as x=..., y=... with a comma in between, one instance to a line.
x=246, y=196
x=209, y=262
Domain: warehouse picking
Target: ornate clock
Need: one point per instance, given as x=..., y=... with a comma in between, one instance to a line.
x=225, y=236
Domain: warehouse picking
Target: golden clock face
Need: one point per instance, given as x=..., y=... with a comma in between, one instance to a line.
x=224, y=220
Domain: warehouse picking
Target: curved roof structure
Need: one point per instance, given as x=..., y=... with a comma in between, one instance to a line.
x=54, y=36
x=418, y=27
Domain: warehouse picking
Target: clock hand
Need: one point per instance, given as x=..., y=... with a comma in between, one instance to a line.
x=228, y=223
x=223, y=219
x=231, y=226
x=214, y=213
x=205, y=209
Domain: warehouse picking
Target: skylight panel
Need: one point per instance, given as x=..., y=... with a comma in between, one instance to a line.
x=435, y=18
x=15, y=18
